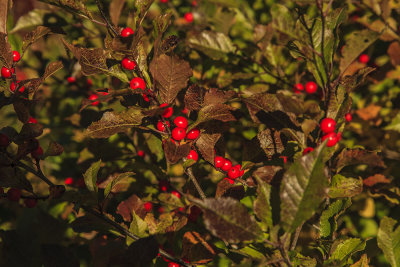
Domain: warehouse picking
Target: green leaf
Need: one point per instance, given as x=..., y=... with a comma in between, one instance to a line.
x=394, y=124
x=115, y=181
x=328, y=220
x=138, y=227
x=389, y=240
x=345, y=187
x=303, y=188
x=31, y=19
x=262, y=205
x=90, y=176
x=283, y=20
x=228, y=219
x=213, y=44
x=343, y=249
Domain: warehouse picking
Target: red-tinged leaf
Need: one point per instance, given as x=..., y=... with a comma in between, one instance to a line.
x=376, y=179
x=226, y=189
x=5, y=50
x=194, y=97
x=228, y=219
x=171, y=74
x=358, y=156
x=195, y=249
x=394, y=53
x=369, y=113
x=174, y=152
x=133, y=203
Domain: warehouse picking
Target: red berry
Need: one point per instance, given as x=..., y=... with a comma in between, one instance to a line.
x=168, y=111
x=173, y=264
x=138, y=82
x=140, y=153
x=71, y=79
x=32, y=120
x=219, y=162
x=231, y=181
x=364, y=58
x=94, y=97
x=189, y=17
x=181, y=122
x=30, y=202
x=37, y=153
x=328, y=125
x=69, y=181
x=14, y=194
x=193, y=134
x=298, y=88
x=194, y=3
x=146, y=98
x=161, y=126
x=348, y=117
x=4, y=140
x=339, y=136
x=308, y=150
x=332, y=139
x=311, y=87
x=126, y=32
x=176, y=193
x=89, y=82
x=16, y=56
x=241, y=172
x=164, y=1
x=284, y=159
x=5, y=73
x=227, y=165
x=178, y=133
x=193, y=155
x=13, y=87
x=148, y=206
x=161, y=209
x=163, y=185
x=234, y=172
x=184, y=111
x=128, y=64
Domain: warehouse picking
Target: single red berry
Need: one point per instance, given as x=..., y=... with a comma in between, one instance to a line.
x=298, y=88
x=164, y=1
x=308, y=150
x=194, y=3
x=14, y=194
x=161, y=209
x=339, y=136
x=94, y=97
x=167, y=112
x=126, y=32
x=234, y=172
x=146, y=98
x=5, y=73
x=348, y=117
x=69, y=181
x=30, y=202
x=89, y=82
x=181, y=121
x=71, y=79
x=163, y=185
x=161, y=127
x=148, y=206
x=4, y=140
x=185, y=111
x=140, y=153
x=241, y=172
x=231, y=181
x=328, y=125
x=193, y=155
x=227, y=165
x=332, y=139
x=178, y=133
x=32, y=120
x=103, y=93
x=284, y=159
x=13, y=87
x=193, y=134
x=128, y=64
x=138, y=83
x=176, y=193
x=37, y=153
x=173, y=264
x=219, y=161
x=16, y=56
x=189, y=17
x=311, y=87
x=364, y=58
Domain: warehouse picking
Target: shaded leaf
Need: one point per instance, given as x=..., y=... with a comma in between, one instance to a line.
x=194, y=97
x=15, y=178
x=345, y=187
x=90, y=176
x=21, y=107
x=328, y=220
x=126, y=207
x=226, y=189
x=52, y=68
x=57, y=255
x=207, y=140
x=35, y=35
x=174, y=152
x=343, y=249
x=141, y=252
x=262, y=205
x=31, y=19
x=268, y=173
x=30, y=130
x=213, y=44
x=195, y=249
x=171, y=200
x=5, y=51
x=220, y=112
x=270, y=142
x=54, y=149
x=115, y=181
x=89, y=223
x=217, y=96
x=358, y=156
x=389, y=240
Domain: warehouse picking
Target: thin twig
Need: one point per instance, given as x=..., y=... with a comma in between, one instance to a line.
x=103, y=15
x=38, y=173
x=296, y=237
x=189, y=172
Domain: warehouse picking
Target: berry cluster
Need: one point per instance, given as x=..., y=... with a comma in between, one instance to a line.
x=7, y=73
x=225, y=165
x=14, y=195
x=311, y=88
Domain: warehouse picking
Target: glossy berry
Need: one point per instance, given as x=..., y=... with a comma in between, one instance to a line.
x=14, y=194
x=164, y=1
x=148, y=206
x=219, y=161
x=71, y=79
x=167, y=112
x=161, y=127
x=298, y=88
x=5, y=73
x=227, y=165
x=89, y=82
x=69, y=181
x=173, y=264
x=332, y=139
x=126, y=32
x=176, y=193
x=128, y=64
x=94, y=97
x=311, y=87
x=13, y=87
x=163, y=185
x=16, y=56
x=193, y=134
x=364, y=58
x=178, y=133
x=231, y=181
x=140, y=153
x=138, y=83
x=32, y=120
x=37, y=153
x=308, y=150
x=193, y=155
x=328, y=125
x=146, y=98
x=30, y=202
x=189, y=17
x=348, y=117
x=181, y=121
x=4, y=140
x=234, y=172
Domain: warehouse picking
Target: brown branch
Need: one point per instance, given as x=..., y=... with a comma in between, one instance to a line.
x=189, y=172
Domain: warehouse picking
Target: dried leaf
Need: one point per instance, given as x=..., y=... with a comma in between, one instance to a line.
x=226, y=189
x=35, y=35
x=358, y=156
x=52, y=68
x=195, y=249
x=217, y=96
x=54, y=149
x=208, y=138
x=5, y=50
x=133, y=203
x=369, y=113
x=376, y=179
x=116, y=7
x=270, y=142
x=268, y=173
x=174, y=152
x=220, y=112
x=194, y=97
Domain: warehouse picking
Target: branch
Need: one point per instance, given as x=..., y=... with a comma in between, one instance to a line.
x=38, y=173
x=103, y=15
x=189, y=172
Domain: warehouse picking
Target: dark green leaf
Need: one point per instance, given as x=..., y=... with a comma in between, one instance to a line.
x=343, y=249
x=389, y=240
x=90, y=176
x=262, y=205
x=345, y=187
x=328, y=220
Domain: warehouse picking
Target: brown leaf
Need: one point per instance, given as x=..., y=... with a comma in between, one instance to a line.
x=171, y=74
x=358, y=156
x=226, y=189
x=133, y=203
x=195, y=249
x=52, y=68
x=369, y=113
x=174, y=152
x=194, y=97
x=270, y=142
x=376, y=179
x=30, y=130
x=207, y=140
x=268, y=173
x=54, y=149
x=5, y=49
x=394, y=53
x=21, y=107
x=220, y=112
x=116, y=7
x=35, y=35
x=263, y=101
x=216, y=96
